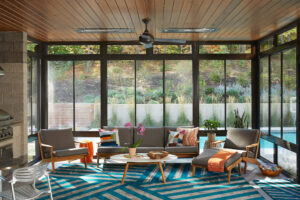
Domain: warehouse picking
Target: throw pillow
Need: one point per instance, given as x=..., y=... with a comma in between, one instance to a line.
x=175, y=138
x=109, y=138
x=190, y=136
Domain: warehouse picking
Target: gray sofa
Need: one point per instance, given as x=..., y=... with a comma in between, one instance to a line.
x=154, y=139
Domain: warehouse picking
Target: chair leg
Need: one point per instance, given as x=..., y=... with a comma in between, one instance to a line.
x=85, y=162
x=53, y=167
x=98, y=161
x=229, y=176
x=245, y=167
x=104, y=160
x=240, y=169
x=194, y=169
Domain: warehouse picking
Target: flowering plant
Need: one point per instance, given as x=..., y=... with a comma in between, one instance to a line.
x=141, y=131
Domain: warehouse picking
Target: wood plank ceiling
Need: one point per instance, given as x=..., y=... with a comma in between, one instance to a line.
x=54, y=20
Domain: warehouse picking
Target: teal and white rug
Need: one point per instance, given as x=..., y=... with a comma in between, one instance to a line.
x=73, y=181
x=279, y=188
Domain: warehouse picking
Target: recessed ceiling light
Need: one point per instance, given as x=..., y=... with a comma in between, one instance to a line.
x=189, y=30
x=104, y=30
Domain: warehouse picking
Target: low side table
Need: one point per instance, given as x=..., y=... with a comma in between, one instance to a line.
x=89, y=145
x=143, y=160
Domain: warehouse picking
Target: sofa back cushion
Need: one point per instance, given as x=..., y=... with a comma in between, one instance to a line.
x=238, y=138
x=153, y=137
x=125, y=135
x=58, y=138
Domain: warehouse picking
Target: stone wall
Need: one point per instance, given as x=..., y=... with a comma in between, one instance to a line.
x=13, y=85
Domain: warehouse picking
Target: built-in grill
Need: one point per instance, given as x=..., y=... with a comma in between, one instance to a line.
x=6, y=130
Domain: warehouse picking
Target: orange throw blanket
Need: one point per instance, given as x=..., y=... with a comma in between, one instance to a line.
x=217, y=161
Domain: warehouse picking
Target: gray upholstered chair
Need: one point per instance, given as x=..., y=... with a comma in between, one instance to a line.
x=59, y=145
x=245, y=141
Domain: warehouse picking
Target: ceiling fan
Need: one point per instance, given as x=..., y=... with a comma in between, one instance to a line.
x=147, y=39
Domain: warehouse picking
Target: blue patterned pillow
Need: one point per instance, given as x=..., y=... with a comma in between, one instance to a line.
x=176, y=138
x=109, y=138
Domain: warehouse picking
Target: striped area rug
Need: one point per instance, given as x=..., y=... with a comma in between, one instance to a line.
x=143, y=182
x=279, y=188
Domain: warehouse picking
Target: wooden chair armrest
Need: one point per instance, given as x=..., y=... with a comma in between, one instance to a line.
x=197, y=142
x=47, y=146
x=252, y=146
x=218, y=142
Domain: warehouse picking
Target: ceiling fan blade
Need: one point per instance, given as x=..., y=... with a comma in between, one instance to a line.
x=147, y=46
x=177, y=41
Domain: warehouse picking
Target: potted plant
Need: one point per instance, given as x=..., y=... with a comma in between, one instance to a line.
x=132, y=148
x=211, y=126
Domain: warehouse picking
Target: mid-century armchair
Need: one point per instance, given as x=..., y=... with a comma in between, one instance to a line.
x=245, y=141
x=59, y=145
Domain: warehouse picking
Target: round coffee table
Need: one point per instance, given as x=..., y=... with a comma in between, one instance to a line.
x=142, y=160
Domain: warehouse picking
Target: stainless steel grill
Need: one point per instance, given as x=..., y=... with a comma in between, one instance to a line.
x=5, y=121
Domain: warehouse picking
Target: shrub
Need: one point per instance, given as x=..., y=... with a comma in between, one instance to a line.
x=182, y=119
x=88, y=99
x=209, y=91
x=215, y=77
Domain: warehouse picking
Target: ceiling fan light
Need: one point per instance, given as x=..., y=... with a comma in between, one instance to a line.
x=189, y=30
x=104, y=30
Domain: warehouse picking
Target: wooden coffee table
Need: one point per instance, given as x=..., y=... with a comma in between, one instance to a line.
x=143, y=160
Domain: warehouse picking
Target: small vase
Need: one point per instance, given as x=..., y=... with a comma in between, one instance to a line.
x=132, y=152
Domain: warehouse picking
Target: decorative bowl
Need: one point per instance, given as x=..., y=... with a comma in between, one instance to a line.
x=157, y=154
x=269, y=172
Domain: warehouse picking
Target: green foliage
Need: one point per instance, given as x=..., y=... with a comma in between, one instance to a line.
x=148, y=121
x=88, y=99
x=240, y=121
x=167, y=118
x=215, y=77
x=73, y=49
x=288, y=120
x=96, y=123
x=182, y=119
x=209, y=91
x=114, y=121
x=211, y=124
x=231, y=118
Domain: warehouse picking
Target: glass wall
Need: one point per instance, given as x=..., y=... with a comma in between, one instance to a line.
x=87, y=95
x=60, y=94
x=264, y=94
x=149, y=92
x=212, y=91
x=287, y=159
x=32, y=95
x=289, y=95
x=120, y=92
x=275, y=111
x=178, y=92
x=238, y=91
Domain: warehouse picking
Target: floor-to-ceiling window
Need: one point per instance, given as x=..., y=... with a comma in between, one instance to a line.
x=33, y=115
x=120, y=92
x=178, y=93
x=278, y=100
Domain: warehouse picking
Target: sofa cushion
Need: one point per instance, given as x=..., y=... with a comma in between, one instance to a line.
x=109, y=138
x=153, y=137
x=58, y=138
x=108, y=150
x=190, y=136
x=182, y=149
x=203, y=158
x=148, y=149
x=175, y=138
x=125, y=135
x=238, y=138
x=70, y=152
x=171, y=128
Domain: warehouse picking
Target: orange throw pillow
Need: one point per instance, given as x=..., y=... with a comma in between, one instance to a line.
x=190, y=136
